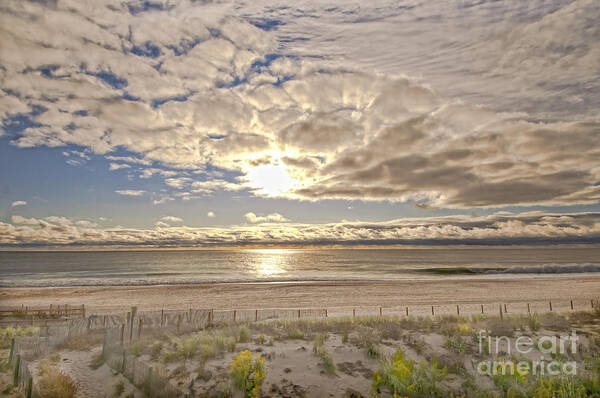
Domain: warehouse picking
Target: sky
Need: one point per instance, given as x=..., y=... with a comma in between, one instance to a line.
x=201, y=124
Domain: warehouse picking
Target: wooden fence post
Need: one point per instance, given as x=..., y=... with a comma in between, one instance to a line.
x=298, y=314
x=131, y=330
x=528, y=308
x=325, y=312
x=190, y=316
x=29, y=389
x=140, y=329
x=571, y=305
x=432, y=311
x=234, y=315
x=482, y=309
x=104, y=320
x=380, y=311
x=162, y=317
x=550, y=305
x=505, y=309
x=89, y=323
x=255, y=315
x=501, y=314
x=16, y=371
x=150, y=390
x=83, y=310
x=406, y=311
x=353, y=313
x=104, y=345
x=123, y=363
x=457, y=309
x=122, y=334
x=133, y=313
x=211, y=316
x=12, y=350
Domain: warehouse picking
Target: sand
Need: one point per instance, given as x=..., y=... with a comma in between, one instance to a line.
x=311, y=295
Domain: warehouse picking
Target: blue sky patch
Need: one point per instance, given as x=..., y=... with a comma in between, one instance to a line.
x=146, y=50
x=267, y=24
x=158, y=102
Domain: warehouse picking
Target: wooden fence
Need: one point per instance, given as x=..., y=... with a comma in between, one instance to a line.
x=122, y=329
x=52, y=311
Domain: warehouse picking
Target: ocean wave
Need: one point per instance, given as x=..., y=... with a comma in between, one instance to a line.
x=549, y=269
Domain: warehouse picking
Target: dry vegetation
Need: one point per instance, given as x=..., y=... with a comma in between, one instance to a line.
x=373, y=356
x=370, y=356
x=52, y=382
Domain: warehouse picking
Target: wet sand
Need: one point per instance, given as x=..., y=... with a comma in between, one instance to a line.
x=309, y=295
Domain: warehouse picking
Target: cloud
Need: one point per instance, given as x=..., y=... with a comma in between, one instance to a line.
x=308, y=108
x=129, y=159
x=18, y=203
x=178, y=183
x=273, y=217
x=23, y=220
x=210, y=214
x=130, y=192
x=118, y=166
x=532, y=228
x=171, y=219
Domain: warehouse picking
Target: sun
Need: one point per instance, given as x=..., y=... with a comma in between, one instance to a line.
x=270, y=180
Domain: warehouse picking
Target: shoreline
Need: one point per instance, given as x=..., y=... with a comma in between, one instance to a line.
x=102, y=299
x=470, y=276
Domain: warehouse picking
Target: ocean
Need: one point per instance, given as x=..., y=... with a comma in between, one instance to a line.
x=123, y=268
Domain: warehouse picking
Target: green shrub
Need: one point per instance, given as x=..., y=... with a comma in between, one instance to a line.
x=420, y=347
x=248, y=373
x=207, y=351
x=545, y=387
x=244, y=335
x=295, y=334
x=136, y=349
x=261, y=339
x=456, y=344
x=403, y=378
x=318, y=343
x=155, y=350
x=119, y=387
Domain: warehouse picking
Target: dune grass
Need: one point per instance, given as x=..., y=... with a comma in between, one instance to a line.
x=403, y=377
x=53, y=383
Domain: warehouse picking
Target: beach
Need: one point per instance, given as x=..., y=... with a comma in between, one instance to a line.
x=310, y=294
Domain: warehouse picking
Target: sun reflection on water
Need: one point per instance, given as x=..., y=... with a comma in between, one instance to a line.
x=271, y=262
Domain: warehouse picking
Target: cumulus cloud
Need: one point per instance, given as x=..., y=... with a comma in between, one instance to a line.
x=118, y=166
x=496, y=229
x=130, y=192
x=18, y=203
x=273, y=217
x=23, y=220
x=311, y=109
x=171, y=219
x=161, y=224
